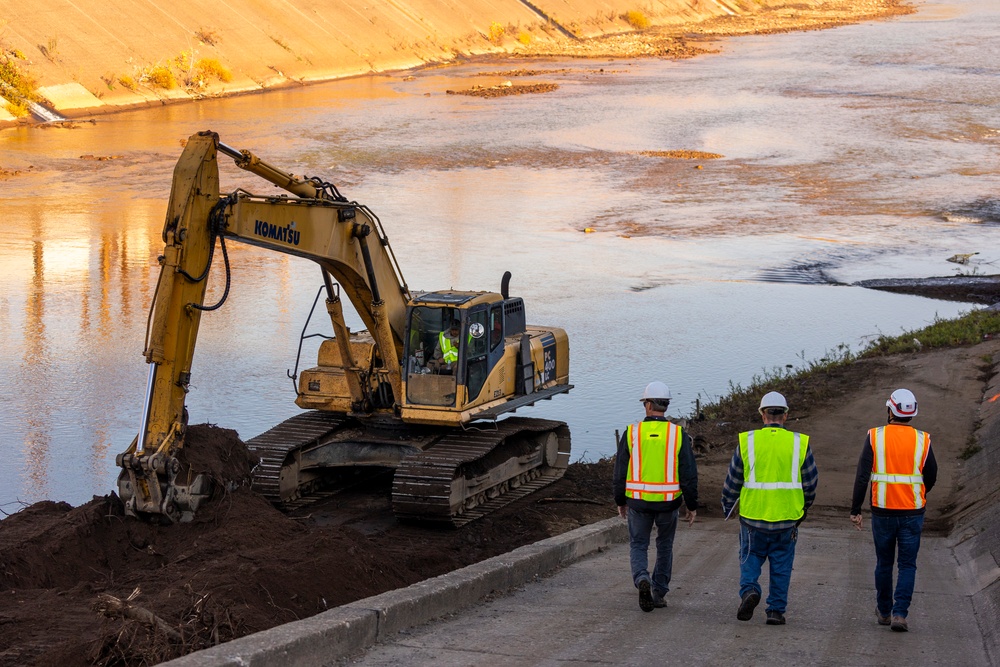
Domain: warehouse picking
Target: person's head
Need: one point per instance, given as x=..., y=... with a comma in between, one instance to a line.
x=455, y=327
x=773, y=408
x=656, y=398
x=901, y=406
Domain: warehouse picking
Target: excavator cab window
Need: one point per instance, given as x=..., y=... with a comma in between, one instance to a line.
x=433, y=356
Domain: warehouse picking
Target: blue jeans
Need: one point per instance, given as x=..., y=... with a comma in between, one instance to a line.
x=891, y=532
x=778, y=548
x=640, y=525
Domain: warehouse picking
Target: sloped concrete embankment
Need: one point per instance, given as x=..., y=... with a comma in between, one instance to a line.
x=976, y=536
x=90, y=56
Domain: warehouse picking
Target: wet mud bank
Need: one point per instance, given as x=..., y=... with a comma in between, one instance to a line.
x=967, y=289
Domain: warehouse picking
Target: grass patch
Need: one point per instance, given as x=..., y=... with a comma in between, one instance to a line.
x=497, y=33
x=809, y=383
x=159, y=76
x=971, y=449
x=15, y=85
x=636, y=19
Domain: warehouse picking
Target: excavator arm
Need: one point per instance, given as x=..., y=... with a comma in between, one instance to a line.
x=344, y=238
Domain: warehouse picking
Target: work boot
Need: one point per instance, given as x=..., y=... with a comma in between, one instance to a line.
x=882, y=620
x=775, y=617
x=658, y=600
x=747, y=605
x=645, y=596
x=898, y=624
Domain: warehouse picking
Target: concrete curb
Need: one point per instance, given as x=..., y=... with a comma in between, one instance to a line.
x=351, y=628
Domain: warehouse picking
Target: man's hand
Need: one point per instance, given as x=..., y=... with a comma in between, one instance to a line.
x=856, y=520
x=691, y=514
x=623, y=511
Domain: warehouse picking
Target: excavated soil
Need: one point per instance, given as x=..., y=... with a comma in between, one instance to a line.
x=242, y=565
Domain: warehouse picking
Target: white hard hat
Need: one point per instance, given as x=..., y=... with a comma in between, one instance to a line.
x=772, y=399
x=656, y=391
x=902, y=403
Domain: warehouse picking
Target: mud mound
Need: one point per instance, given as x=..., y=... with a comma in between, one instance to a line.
x=88, y=585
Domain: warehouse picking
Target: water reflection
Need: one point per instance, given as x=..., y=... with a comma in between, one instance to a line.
x=696, y=276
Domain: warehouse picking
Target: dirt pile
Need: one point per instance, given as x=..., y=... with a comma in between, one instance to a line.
x=241, y=566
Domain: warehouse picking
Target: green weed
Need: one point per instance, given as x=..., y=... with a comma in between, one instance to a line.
x=636, y=19
x=497, y=33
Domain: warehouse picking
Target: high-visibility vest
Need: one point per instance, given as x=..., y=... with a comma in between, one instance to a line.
x=654, y=449
x=898, y=466
x=449, y=352
x=772, y=474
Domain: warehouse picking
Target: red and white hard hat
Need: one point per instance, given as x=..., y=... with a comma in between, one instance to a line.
x=902, y=403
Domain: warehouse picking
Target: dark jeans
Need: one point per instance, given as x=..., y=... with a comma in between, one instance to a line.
x=640, y=525
x=778, y=548
x=895, y=534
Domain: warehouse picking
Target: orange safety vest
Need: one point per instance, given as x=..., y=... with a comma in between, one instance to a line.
x=898, y=466
x=654, y=449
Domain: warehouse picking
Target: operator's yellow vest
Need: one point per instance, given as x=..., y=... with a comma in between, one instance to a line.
x=654, y=448
x=449, y=353
x=772, y=474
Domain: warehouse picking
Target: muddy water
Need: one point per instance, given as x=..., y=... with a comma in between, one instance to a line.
x=861, y=152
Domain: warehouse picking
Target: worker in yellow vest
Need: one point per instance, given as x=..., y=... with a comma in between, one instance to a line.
x=655, y=473
x=446, y=350
x=773, y=478
x=898, y=462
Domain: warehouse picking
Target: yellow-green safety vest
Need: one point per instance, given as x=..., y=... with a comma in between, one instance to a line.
x=654, y=449
x=449, y=353
x=772, y=474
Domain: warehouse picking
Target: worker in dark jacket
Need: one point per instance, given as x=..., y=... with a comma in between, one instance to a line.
x=655, y=473
x=898, y=461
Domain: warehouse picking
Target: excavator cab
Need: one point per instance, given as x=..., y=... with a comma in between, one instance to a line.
x=451, y=348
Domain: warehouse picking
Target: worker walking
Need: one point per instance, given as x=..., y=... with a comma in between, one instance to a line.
x=655, y=473
x=773, y=477
x=899, y=462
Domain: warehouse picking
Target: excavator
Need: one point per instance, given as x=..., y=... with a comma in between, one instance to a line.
x=420, y=391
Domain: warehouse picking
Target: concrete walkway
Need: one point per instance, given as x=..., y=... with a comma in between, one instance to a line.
x=588, y=613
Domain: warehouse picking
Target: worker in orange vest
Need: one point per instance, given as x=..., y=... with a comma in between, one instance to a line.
x=655, y=474
x=899, y=464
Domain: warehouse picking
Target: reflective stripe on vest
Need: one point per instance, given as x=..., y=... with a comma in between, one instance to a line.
x=772, y=484
x=449, y=353
x=897, y=466
x=654, y=449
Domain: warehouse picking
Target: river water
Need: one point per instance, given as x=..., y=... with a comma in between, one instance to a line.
x=865, y=151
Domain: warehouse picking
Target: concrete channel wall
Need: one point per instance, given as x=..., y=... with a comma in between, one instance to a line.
x=90, y=56
x=976, y=536
x=351, y=628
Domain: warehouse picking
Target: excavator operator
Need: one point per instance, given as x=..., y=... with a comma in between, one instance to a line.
x=446, y=350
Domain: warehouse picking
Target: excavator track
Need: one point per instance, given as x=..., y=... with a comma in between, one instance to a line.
x=452, y=477
x=274, y=447
x=470, y=473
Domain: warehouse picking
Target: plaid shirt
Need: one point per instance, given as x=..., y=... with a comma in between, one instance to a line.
x=734, y=484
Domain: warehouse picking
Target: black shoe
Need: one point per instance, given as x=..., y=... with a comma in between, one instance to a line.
x=645, y=596
x=775, y=618
x=659, y=601
x=749, y=602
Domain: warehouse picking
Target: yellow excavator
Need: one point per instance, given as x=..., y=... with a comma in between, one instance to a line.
x=420, y=391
